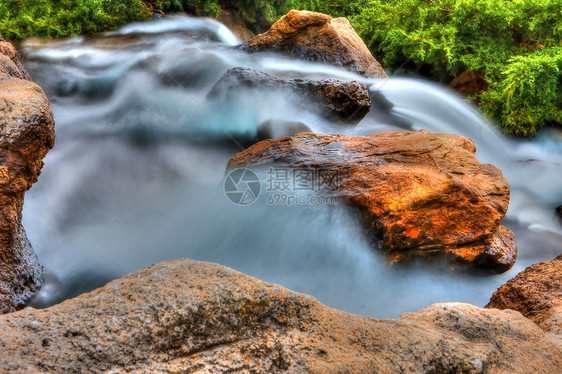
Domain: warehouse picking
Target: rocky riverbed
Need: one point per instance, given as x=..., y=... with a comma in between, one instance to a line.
x=189, y=316
x=423, y=194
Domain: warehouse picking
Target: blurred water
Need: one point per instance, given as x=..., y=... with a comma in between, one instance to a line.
x=136, y=174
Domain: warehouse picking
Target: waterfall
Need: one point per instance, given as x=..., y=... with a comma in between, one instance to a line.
x=136, y=174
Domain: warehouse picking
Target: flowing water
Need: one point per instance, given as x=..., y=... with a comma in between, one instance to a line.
x=136, y=175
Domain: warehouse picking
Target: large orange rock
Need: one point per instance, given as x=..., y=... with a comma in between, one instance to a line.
x=317, y=37
x=185, y=316
x=422, y=193
x=26, y=135
x=537, y=294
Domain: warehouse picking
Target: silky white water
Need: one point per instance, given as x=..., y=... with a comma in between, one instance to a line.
x=136, y=173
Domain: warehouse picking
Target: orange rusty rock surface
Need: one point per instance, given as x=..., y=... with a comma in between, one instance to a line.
x=417, y=190
x=536, y=293
x=26, y=135
x=317, y=37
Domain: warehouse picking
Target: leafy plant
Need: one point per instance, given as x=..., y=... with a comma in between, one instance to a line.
x=60, y=18
x=515, y=42
x=529, y=94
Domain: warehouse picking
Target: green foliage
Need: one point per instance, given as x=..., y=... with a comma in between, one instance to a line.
x=59, y=18
x=209, y=8
x=529, y=95
x=515, y=42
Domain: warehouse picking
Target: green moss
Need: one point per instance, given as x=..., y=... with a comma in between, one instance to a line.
x=515, y=42
x=60, y=18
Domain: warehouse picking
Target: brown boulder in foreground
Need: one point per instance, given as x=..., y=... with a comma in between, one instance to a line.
x=537, y=294
x=188, y=316
x=26, y=135
x=424, y=194
x=317, y=37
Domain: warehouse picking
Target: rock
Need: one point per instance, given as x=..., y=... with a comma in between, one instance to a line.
x=10, y=63
x=196, y=73
x=423, y=194
x=317, y=37
x=558, y=214
x=276, y=128
x=537, y=294
x=26, y=135
x=189, y=316
x=345, y=102
x=232, y=20
x=469, y=83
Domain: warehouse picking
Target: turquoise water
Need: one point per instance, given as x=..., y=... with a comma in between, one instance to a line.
x=136, y=174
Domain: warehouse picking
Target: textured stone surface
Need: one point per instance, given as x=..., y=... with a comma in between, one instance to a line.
x=10, y=63
x=340, y=101
x=424, y=194
x=317, y=37
x=26, y=135
x=537, y=294
x=188, y=316
x=470, y=82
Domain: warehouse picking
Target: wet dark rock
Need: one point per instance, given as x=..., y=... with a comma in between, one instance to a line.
x=346, y=102
x=202, y=68
x=277, y=128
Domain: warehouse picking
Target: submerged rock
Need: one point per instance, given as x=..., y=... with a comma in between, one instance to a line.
x=189, y=316
x=317, y=37
x=277, y=128
x=424, y=194
x=537, y=294
x=469, y=83
x=341, y=101
x=26, y=135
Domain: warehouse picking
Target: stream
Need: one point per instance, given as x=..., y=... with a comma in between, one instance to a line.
x=136, y=174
